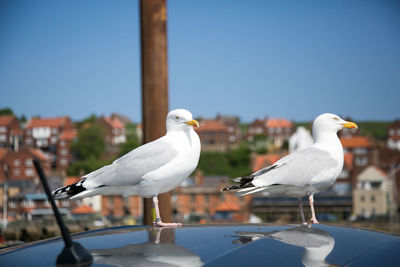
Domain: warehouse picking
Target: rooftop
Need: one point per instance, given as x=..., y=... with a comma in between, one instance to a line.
x=46, y=122
x=216, y=245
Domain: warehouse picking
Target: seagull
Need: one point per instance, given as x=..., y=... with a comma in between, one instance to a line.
x=151, y=169
x=303, y=172
x=155, y=252
x=317, y=243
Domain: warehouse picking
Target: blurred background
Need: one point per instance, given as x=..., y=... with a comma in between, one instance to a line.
x=253, y=73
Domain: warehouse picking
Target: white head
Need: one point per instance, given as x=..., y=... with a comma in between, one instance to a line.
x=330, y=123
x=180, y=119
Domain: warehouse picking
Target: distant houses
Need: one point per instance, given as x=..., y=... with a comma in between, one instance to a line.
x=278, y=130
x=46, y=133
x=10, y=131
x=373, y=193
x=364, y=187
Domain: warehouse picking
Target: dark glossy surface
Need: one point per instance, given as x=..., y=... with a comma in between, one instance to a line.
x=229, y=245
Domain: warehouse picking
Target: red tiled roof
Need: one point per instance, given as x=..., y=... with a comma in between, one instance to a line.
x=46, y=122
x=355, y=141
x=39, y=153
x=83, y=209
x=6, y=120
x=227, y=206
x=278, y=123
x=68, y=134
x=348, y=160
x=71, y=180
x=114, y=122
x=3, y=152
x=262, y=161
x=211, y=125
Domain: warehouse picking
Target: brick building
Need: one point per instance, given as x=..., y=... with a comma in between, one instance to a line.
x=233, y=125
x=115, y=131
x=257, y=127
x=46, y=133
x=10, y=131
x=19, y=163
x=201, y=200
x=278, y=130
x=362, y=150
x=214, y=135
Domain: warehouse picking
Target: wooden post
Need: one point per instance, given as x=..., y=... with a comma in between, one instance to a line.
x=153, y=25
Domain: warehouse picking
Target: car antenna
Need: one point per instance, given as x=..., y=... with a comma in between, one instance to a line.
x=73, y=253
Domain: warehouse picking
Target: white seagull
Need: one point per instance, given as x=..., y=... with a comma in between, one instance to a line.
x=303, y=172
x=151, y=169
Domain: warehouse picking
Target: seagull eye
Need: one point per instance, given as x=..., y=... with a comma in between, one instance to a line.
x=336, y=119
x=177, y=117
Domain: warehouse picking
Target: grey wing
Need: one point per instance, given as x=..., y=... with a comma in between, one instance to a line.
x=130, y=168
x=296, y=169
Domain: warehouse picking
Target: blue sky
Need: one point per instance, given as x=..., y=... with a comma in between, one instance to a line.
x=293, y=59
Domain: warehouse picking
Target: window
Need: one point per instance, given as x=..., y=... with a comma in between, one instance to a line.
x=361, y=161
x=12, y=204
x=54, y=130
x=64, y=151
x=110, y=201
x=64, y=162
x=29, y=172
x=28, y=203
x=3, y=137
x=29, y=141
x=3, y=129
x=17, y=172
x=28, y=163
x=17, y=162
x=344, y=174
x=206, y=198
x=193, y=198
x=376, y=185
x=362, y=198
x=53, y=140
x=372, y=198
x=342, y=188
x=62, y=143
x=222, y=197
x=398, y=131
x=391, y=132
x=360, y=151
x=174, y=198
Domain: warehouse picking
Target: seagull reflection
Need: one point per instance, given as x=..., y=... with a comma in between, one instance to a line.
x=316, y=242
x=159, y=251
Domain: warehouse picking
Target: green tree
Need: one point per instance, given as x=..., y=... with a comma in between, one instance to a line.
x=90, y=143
x=6, y=111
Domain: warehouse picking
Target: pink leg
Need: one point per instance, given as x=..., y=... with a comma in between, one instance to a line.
x=158, y=222
x=313, y=217
x=303, y=220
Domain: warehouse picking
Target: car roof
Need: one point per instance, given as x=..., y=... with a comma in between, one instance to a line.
x=216, y=245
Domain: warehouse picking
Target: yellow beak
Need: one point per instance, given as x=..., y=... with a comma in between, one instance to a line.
x=192, y=123
x=349, y=124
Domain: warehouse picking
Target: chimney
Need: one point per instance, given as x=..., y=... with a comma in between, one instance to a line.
x=199, y=177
